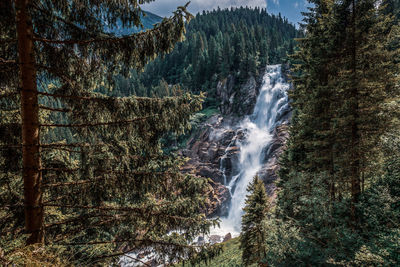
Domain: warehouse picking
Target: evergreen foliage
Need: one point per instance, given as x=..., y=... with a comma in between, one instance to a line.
x=346, y=92
x=108, y=188
x=253, y=236
x=238, y=41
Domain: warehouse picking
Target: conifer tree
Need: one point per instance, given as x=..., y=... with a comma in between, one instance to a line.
x=110, y=186
x=253, y=236
x=345, y=82
x=221, y=43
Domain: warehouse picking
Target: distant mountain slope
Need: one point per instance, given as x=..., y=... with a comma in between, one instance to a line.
x=150, y=19
x=231, y=43
x=148, y=22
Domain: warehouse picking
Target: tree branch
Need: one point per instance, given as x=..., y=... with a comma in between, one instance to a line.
x=74, y=96
x=112, y=39
x=6, y=61
x=59, y=169
x=133, y=172
x=54, y=109
x=10, y=146
x=149, y=241
x=98, y=124
x=124, y=209
x=66, y=149
x=8, y=94
x=85, y=42
x=9, y=40
x=86, y=216
x=71, y=183
x=55, y=145
x=58, y=17
x=91, y=98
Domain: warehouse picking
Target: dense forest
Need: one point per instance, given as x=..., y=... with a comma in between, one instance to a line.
x=109, y=188
x=86, y=105
x=338, y=200
x=239, y=41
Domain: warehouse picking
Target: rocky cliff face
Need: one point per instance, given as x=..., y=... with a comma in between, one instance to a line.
x=269, y=171
x=213, y=151
x=238, y=100
x=205, y=150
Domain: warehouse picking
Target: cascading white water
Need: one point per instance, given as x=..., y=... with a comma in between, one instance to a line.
x=271, y=102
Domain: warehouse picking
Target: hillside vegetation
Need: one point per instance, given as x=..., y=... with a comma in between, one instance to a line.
x=90, y=119
x=230, y=257
x=239, y=41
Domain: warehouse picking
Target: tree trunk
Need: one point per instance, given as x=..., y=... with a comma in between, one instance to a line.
x=30, y=125
x=355, y=138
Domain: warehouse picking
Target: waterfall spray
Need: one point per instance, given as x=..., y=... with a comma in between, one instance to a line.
x=258, y=128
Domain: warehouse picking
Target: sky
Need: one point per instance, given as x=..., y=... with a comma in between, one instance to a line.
x=288, y=8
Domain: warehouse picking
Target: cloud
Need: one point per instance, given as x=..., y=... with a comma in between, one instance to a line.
x=166, y=7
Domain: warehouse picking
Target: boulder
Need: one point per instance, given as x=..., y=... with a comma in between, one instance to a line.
x=200, y=241
x=218, y=199
x=208, y=171
x=227, y=237
x=214, y=239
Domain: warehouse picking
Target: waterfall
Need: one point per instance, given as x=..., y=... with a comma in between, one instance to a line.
x=272, y=102
x=272, y=105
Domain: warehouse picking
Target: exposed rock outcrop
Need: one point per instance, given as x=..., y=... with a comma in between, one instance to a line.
x=212, y=146
x=218, y=199
x=269, y=171
x=214, y=151
x=227, y=237
x=206, y=151
x=238, y=100
x=226, y=94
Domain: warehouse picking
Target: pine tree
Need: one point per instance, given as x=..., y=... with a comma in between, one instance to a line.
x=109, y=185
x=218, y=43
x=253, y=236
x=367, y=81
x=345, y=81
x=312, y=139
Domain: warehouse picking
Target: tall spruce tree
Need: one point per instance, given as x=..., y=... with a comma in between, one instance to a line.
x=345, y=83
x=110, y=186
x=253, y=236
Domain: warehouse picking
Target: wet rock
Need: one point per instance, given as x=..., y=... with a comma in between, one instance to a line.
x=238, y=100
x=210, y=148
x=269, y=172
x=200, y=241
x=218, y=199
x=247, y=97
x=226, y=94
x=229, y=164
x=209, y=172
x=227, y=237
x=214, y=150
x=214, y=239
